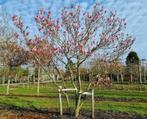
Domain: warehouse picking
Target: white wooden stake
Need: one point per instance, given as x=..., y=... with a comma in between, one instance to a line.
x=92, y=103
x=60, y=100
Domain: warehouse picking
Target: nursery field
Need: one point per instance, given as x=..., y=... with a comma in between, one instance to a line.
x=73, y=59
x=120, y=98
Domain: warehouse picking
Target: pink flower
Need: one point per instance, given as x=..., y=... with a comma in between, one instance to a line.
x=71, y=13
x=76, y=25
x=47, y=22
x=37, y=18
x=14, y=18
x=42, y=11
x=16, y=35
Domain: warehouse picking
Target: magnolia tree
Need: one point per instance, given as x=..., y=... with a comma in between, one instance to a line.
x=77, y=35
x=40, y=49
x=11, y=54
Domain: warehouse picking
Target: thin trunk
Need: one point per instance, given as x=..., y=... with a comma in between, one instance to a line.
x=140, y=77
x=8, y=83
x=78, y=74
x=111, y=77
x=16, y=76
x=3, y=80
x=72, y=78
x=38, y=82
x=79, y=79
x=8, y=87
x=144, y=75
x=78, y=93
x=117, y=78
x=122, y=78
x=77, y=110
x=131, y=77
x=28, y=78
x=34, y=78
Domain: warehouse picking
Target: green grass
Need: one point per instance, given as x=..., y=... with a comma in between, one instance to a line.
x=51, y=90
x=132, y=91
x=122, y=94
x=130, y=107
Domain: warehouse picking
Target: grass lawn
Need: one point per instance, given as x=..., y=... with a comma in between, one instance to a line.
x=129, y=107
x=50, y=90
x=113, y=92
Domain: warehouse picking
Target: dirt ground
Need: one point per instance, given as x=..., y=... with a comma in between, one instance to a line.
x=17, y=113
x=84, y=115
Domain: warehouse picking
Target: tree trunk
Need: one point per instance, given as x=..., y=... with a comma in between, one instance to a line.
x=16, y=77
x=78, y=93
x=111, y=76
x=38, y=82
x=79, y=79
x=28, y=78
x=117, y=78
x=34, y=78
x=8, y=87
x=140, y=77
x=78, y=103
x=131, y=77
x=3, y=80
x=8, y=83
x=122, y=78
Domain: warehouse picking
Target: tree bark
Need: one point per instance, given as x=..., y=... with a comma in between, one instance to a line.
x=140, y=77
x=122, y=78
x=131, y=77
x=79, y=78
x=38, y=82
x=8, y=83
x=79, y=91
x=117, y=78
x=3, y=80
x=8, y=87
x=78, y=107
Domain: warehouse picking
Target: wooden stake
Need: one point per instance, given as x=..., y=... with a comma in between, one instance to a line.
x=60, y=100
x=92, y=103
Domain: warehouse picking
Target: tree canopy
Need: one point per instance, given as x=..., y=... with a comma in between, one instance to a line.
x=132, y=58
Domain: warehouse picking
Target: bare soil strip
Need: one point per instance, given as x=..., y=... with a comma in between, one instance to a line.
x=33, y=113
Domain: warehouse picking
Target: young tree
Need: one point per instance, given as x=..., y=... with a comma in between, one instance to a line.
x=11, y=54
x=39, y=48
x=77, y=35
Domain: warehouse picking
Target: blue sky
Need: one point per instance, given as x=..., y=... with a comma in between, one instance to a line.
x=134, y=11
